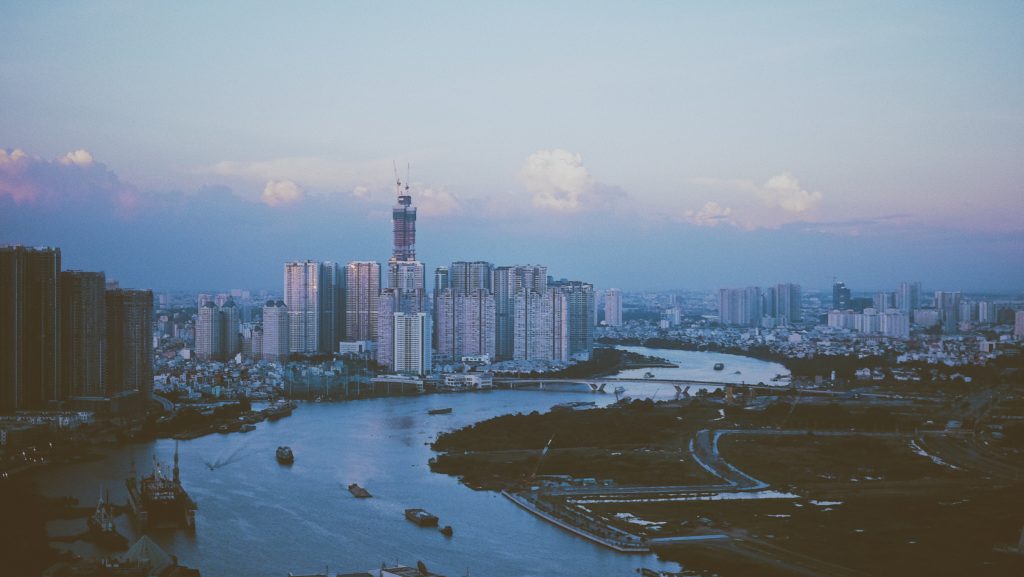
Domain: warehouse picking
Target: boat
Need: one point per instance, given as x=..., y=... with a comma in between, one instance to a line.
x=421, y=517
x=247, y=427
x=278, y=410
x=101, y=525
x=443, y=411
x=358, y=491
x=719, y=366
x=285, y=456
x=648, y=375
x=446, y=530
x=156, y=501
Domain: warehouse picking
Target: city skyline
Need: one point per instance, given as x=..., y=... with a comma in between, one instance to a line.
x=651, y=147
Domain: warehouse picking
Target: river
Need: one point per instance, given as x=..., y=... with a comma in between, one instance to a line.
x=260, y=519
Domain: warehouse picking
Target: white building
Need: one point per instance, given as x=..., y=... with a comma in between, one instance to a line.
x=275, y=332
x=469, y=381
x=412, y=351
x=302, y=297
x=613, y=307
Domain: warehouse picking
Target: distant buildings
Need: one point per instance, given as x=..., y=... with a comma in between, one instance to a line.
x=613, y=307
x=276, y=325
x=302, y=282
x=217, y=331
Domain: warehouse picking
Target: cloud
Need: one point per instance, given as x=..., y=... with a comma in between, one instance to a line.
x=436, y=202
x=558, y=181
x=710, y=215
x=784, y=191
x=778, y=201
x=281, y=192
x=72, y=179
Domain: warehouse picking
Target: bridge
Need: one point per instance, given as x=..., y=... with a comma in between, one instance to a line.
x=597, y=384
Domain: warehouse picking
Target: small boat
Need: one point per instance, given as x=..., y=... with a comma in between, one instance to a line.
x=421, y=517
x=719, y=366
x=247, y=427
x=446, y=530
x=443, y=411
x=648, y=375
x=285, y=455
x=358, y=491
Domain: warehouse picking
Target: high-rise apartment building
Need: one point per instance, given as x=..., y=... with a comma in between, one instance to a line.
x=465, y=324
x=209, y=332
x=362, y=279
x=741, y=307
x=302, y=297
x=506, y=282
x=230, y=336
x=533, y=325
x=29, y=328
x=948, y=305
x=276, y=324
x=908, y=297
x=83, y=321
x=465, y=277
x=412, y=354
x=130, y=342
x=579, y=317
x=788, y=303
x=1018, y=325
x=613, y=307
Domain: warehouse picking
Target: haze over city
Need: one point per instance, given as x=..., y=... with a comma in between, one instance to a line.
x=651, y=146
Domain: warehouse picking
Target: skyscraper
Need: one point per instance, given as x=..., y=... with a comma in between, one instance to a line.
x=840, y=296
x=302, y=297
x=948, y=304
x=506, y=282
x=465, y=277
x=788, y=305
x=740, y=307
x=331, y=307
x=403, y=222
x=908, y=297
x=229, y=335
x=362, y=279
x=209, y=332
x=83, y=319
x=130, y=341
x=613, y=307
x=579, y=317
x=465, y=324
x=29, y=328
x=533, y=325
x=412, y=343
x=275, y=332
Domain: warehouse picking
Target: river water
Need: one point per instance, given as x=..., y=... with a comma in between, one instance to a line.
x=260, y=519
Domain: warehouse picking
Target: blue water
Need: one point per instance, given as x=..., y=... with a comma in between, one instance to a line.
x=260, y=519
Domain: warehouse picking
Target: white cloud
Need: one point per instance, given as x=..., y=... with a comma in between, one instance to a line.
x=784, y=191
x=712, y=214
x=281, y=192
x=79, y=157
x=778, y=201
x=558, y=181
x=436, y=201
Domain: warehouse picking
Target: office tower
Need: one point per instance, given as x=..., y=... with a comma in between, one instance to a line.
x=613, y=307
x=465, y=277
x=83, y=333
x=412, y=343
x=209, y=333
x=302, y=297
x=29, y=328
x=948, y=304
x=465, y=324
x=229, y=334
x=840, y=296
x=130, y=341
x=331, y=308
x=788, y=303
x=362, y=280
x=506, y=282
x=579, y=315
x=533, y=325
x=276, y=323
x=908, y=297
x=740, y=307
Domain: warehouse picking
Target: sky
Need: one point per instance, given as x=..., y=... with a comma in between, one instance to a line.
x=641, y=145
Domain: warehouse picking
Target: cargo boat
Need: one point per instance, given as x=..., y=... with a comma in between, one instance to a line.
x=285, y=456
x=157, y=501
x=101, y=525
x=358, y=491
x=421, y=517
